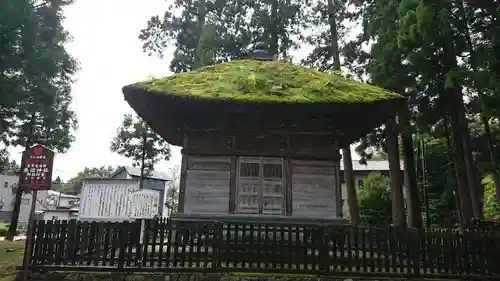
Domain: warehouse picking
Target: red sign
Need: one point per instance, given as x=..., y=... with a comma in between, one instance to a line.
x=36, y=168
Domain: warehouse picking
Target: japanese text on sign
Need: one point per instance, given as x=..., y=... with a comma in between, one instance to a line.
x=37, y=168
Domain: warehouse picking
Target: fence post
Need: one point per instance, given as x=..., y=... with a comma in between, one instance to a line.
x=28, y=251
x=122, y=243
x=324, y=249
x=218, y=242
x=139, y=227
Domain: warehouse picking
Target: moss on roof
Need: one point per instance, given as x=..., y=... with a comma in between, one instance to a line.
x=266, y=81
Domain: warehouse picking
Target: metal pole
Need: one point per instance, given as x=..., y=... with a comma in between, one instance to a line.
x=29, y=237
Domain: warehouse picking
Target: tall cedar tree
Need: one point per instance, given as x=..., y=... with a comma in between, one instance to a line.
x=434, y=33
x=137, y=141
x=449, y=44
x=327, y=19
x=35, y=80
x=211, y=31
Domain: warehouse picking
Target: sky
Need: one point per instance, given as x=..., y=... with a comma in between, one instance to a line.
x=105, y=42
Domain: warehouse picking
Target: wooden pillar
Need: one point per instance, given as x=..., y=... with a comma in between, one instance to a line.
x=288, y=179
x=338, y=187
x=232, y=179
x=183, y=179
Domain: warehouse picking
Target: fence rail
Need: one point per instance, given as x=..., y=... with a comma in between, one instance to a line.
x=192, y=246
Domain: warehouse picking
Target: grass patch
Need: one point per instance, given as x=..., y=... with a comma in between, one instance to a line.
x=3, y=228
x=11, y=255
x=266, y=81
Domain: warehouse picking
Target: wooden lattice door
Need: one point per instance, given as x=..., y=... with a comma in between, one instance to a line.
x=260, y=186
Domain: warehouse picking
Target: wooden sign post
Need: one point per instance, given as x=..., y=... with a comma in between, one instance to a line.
x=36, y=174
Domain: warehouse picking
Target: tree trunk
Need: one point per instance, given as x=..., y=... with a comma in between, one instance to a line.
x=273, y=46
x=462, y=131
x=19, y=192
x=414, y=213
x=475, y=188
x=459, y=162
x=398, y=210
x=200, y=55
x=352, y=200
x=15, y=215
x=466, y=175
x=143, y=160
x=449, y=174
x=484, y=116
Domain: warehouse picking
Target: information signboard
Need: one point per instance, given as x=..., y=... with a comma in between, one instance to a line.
x=36, y=168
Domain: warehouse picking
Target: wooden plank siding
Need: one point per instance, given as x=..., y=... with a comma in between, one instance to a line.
x=267, y=145
x=313, y=194
x=207, y=185
x=307, y=179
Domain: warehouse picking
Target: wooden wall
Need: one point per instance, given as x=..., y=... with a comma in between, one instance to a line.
x=310, y=168
x=301, y=146
x=207, y=185
x=313, y=189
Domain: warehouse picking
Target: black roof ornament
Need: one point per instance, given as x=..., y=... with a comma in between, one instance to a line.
x=260, y=53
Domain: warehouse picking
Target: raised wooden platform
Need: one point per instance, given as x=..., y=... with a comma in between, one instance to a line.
x=265, y=247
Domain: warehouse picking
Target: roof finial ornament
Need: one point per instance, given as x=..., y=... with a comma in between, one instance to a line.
x=260, y=53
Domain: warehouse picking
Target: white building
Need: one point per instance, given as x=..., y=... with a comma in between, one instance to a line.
x=50, y=204
x=361, y=171
x=8, y=187
x=58, y=206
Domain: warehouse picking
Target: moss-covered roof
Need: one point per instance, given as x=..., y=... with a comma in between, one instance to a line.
x=252, y=95
x=266, y=81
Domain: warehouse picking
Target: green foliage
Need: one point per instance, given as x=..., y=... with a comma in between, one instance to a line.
x=7, y=166
x=441, y=185
x=74, y=184
x=53, y=126
x=374, y=199
x=223, y=35
x=204, y=32
x=35, y=75
x=379, y=155
x=322, y=57
x=172, y=198
x=137, y=141
x=432, y=51
x=491, y=204
x=262, y=81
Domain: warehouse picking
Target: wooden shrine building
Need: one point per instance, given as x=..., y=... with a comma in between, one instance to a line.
x=260, y=188
x=260, y=137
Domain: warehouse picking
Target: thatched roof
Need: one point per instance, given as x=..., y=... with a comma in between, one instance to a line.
x=263, y=95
